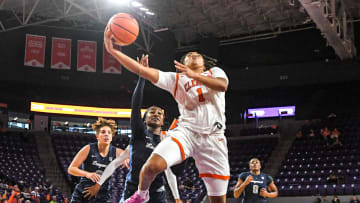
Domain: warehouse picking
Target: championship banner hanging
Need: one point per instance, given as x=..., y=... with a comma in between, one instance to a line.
x=35, y=50
x=61, y=53
x=86, y=56
x=110, y=64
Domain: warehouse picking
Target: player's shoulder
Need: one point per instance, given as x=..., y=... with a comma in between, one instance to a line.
x=267, y=176
x=244, y=174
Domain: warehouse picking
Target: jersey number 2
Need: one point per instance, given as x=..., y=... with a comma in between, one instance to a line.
x=201, y=96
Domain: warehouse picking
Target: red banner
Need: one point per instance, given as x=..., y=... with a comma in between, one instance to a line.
x=61, y=53
x=35, y=50
x=86, y=56
x=110, y=64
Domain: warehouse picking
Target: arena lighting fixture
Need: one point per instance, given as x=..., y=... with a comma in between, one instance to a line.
x=144, y=9
x=81, y=110
x=150, y=13
x=136, y=4
x=119, y=2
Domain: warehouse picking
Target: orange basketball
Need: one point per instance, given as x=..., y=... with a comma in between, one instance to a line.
x=124, y=27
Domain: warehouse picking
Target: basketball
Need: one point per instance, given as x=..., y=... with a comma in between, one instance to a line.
x=124, y=27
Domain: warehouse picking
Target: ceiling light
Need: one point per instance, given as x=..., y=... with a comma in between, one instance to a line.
x=136, y=4
x=150, y=13
x=144, y=9
x=119, y=2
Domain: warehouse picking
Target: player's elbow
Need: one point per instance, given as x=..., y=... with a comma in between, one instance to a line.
x=222, y=88
x=69, y=170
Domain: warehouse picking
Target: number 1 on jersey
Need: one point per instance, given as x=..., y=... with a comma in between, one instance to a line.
x=201, y=96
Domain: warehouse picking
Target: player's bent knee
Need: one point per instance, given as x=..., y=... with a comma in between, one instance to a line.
x=154, y=165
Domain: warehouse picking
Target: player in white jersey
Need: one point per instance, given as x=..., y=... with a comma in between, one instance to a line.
x=200, y=95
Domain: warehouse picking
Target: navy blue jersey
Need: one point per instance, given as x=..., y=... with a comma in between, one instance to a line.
x=94, y=163
x=251, y=191
x=142, y=144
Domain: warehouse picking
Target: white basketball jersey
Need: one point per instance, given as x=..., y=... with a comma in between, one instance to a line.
x=201, y=108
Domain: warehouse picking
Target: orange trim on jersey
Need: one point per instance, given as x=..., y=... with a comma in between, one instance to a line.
x=163, y=132
x=209, y=175
x=180, y=146
x=174, y=124
x=176, y=84
x=210, y=71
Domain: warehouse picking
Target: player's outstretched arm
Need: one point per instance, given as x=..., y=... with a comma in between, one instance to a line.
x=132, y=65
x=171, y=178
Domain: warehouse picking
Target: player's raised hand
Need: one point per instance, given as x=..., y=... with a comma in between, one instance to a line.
x=108, y=40
x=144, y=60
x=185, y=70
x=249, y=179
x=126, y=163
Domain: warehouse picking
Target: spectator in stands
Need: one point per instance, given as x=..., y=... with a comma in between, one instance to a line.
x=53, y=200
x=90, y=162
x=325, y=133
x=335, y=199
x=35, y=195
x=324, y=200
x=299, y=135
x=4, y=195
x=254, y=185
x=354, y=199
x=333, y=179
x=312, y=133
x=14, y=197
x=334, y=138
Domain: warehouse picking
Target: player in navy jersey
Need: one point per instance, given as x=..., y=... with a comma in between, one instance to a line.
x=254, y=185
x=146, y=135
x=90, y=162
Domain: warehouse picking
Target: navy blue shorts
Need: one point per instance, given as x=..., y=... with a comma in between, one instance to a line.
x=77, y=196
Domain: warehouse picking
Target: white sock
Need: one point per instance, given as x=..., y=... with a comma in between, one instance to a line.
x=143, y=193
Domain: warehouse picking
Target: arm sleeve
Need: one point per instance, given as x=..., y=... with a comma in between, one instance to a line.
x=110, y=169
x=171, y=178
x=219, y=73
x=137, y=125
x=167, y=81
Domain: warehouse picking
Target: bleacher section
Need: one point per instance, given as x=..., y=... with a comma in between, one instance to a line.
x=311, y=160
x=19, y=158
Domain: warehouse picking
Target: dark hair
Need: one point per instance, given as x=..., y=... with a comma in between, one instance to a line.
x=209, y=62
x=253, y=159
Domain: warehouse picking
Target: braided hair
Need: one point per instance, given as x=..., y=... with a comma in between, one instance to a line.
x=209, y=62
